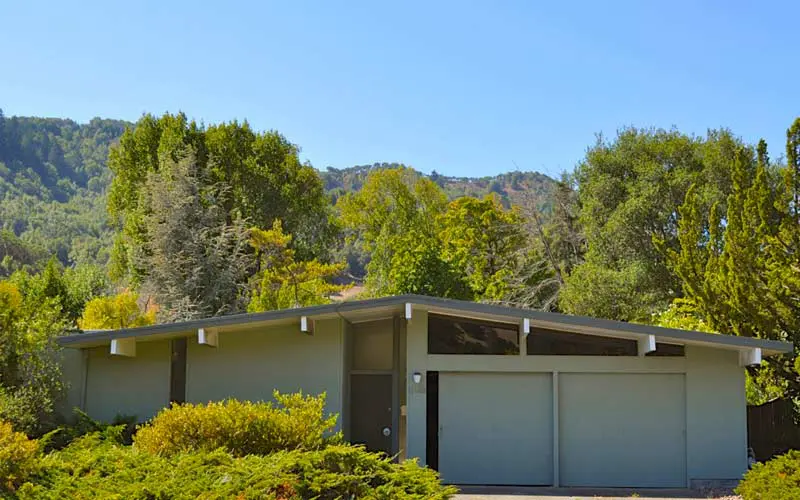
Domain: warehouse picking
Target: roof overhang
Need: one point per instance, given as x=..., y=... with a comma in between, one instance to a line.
x=403, y=305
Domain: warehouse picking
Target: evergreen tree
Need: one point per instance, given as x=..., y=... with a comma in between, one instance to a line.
x=741, y=273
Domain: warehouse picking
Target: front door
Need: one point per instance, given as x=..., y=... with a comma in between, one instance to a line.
x=371, y=411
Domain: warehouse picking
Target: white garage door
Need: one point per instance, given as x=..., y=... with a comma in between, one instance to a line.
x=496, y=428
x=622, y=430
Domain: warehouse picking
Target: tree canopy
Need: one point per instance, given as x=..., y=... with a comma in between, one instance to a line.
x=629, y=191
x=739, y=267
x=258, y=177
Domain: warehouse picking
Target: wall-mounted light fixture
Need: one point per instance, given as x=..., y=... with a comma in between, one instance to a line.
x=416, y=377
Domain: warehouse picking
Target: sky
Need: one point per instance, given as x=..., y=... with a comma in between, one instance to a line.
x=463, y=88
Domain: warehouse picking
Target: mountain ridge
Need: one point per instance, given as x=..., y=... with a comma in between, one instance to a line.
x=54, y=177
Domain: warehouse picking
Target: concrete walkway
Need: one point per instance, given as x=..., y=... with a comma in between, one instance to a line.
x=508, y=493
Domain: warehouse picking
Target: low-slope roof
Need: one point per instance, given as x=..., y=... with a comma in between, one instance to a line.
x=364, y=310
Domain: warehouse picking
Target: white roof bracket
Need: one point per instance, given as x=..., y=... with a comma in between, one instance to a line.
x=307, y=325
x=750, y=357
x=207, y=337
x=123, y=347
x=524, y=327
x=646, y=344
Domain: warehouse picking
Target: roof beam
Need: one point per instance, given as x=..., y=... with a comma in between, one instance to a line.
x=750, y=357
x=646, y=344
x=524, y=327
x=306, y=325
x=123, y=347
x=207, y=337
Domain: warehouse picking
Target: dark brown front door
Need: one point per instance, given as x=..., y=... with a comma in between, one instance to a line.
x=371, y=411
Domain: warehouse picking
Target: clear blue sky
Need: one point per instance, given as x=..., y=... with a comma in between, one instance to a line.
x=460, y=87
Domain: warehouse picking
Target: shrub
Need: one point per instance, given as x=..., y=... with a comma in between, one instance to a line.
x=346, y=471
x=83, y=425
x=241, y=428
x=18, y=457
x=99, y=466
x=777, y=479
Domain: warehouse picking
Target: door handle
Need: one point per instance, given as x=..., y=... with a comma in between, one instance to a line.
x=387, y=431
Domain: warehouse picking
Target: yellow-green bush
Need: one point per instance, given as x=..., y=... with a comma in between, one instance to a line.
x=294, y=422
x=99, y=466
x=777, y=479
x=19, y=457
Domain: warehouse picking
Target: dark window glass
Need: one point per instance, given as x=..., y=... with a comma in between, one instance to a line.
x=667, y=350
x=543, y=342
x=450, y=335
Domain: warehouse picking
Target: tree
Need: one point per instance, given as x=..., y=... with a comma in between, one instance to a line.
x=68, y=289
x=198, y=261
x=257, y=176
x=115, y=312
x=483, y=240
x=285, y=282
x=628, y=193
x=740, y=273
x=472, y=249
x=30, y=376
x=392, y=217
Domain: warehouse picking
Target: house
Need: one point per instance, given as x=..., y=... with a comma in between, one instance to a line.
x=483, y=393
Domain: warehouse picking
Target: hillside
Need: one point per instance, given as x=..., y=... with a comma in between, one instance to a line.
x=512, y=187
x=54, y=176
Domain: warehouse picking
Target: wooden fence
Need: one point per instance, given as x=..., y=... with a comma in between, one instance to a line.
x=772, y=429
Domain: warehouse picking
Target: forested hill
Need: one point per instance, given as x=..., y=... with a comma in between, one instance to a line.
x=54, y=177
x=512, y=187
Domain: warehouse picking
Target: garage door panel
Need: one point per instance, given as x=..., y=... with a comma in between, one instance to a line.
x=496, y=428
x=622, y=430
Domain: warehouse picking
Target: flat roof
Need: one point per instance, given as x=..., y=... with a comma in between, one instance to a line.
x=363, y=310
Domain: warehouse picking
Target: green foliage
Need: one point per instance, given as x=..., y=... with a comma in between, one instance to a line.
x=601, y=291
x=680, y=315
x=739, y=267
x=285, y=282
x=69, y=289
x=241, y=428
x=628, y=193
x=52, y=176
x=115, y=312
x=255, y=176
x=419, y=243
x=196, y=259
x=392, y=217
x=16, y=254
x=484, y=240
x=30, y=376
x=777, y=479
x=98, y=466
x=18, y=458
x=417, y=266
x=511, y=187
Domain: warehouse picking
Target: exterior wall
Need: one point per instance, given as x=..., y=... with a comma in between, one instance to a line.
x=416, y=361
x=73, y=374
x=250, y=365
x=716, y=420
x=116, y=385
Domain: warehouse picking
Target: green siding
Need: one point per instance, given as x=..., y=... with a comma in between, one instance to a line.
x=118, y=385
x=250, y=365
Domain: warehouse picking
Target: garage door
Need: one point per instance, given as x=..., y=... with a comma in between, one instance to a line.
x=496, y=428
x=622, y=430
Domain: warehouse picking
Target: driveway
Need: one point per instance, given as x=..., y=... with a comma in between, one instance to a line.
x=502, y=493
